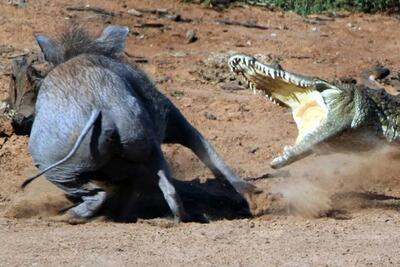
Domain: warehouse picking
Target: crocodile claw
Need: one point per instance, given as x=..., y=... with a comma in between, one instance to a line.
x=279, y=162
x=284, y=159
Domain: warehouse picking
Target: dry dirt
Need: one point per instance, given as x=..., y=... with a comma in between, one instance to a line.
x=341, y=209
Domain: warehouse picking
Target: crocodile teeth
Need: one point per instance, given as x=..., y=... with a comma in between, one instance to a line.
x=264, y=71
x=249, y=66
x=272, y=74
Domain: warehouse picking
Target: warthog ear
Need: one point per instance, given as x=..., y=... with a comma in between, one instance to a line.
x=112, y=39
x=51, y=49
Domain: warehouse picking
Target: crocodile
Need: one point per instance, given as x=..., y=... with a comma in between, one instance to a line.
x=320, y=109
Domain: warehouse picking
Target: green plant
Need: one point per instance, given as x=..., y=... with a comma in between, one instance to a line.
x=305, y=7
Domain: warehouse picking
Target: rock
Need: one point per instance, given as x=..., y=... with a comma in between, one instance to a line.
x=210, y=116
x=134, y=12
x=20, y=3
x=379, y=72
x=177, y=93
x=163, y=79
x=191, y=36
x=174, y=17
x=253, y=150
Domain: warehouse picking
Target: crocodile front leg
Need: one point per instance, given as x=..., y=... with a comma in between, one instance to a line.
x=304, y=146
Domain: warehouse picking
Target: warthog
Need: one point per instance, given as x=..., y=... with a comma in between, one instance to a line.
x=93, y=108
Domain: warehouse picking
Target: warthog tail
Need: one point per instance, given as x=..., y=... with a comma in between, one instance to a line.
x=93, y=117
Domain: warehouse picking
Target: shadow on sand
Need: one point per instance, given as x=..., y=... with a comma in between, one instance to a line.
x=142, y=199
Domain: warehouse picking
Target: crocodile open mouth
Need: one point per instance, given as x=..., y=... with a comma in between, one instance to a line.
x=285, y=88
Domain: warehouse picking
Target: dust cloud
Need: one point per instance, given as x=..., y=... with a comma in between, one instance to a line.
x=40, y=198
x=342, y=181
x=318, y=185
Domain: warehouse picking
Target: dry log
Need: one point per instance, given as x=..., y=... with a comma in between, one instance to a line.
x=23, y=89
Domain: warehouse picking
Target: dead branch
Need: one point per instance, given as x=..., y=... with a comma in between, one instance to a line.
x=247, y=24
x=164, y=13
x=156, y=11
x=96, y=10
x=136, y=59
x=150, y=25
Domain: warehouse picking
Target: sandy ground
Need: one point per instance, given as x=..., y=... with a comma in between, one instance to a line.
x=340, y=208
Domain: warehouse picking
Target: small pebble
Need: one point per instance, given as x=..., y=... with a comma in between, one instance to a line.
x=210, y=116
x=134, y=12
x=191, y=36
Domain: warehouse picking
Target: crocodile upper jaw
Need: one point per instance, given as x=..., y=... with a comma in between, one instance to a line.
x=282, y=87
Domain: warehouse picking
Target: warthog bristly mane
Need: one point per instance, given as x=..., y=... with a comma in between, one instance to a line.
x=75, y=40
